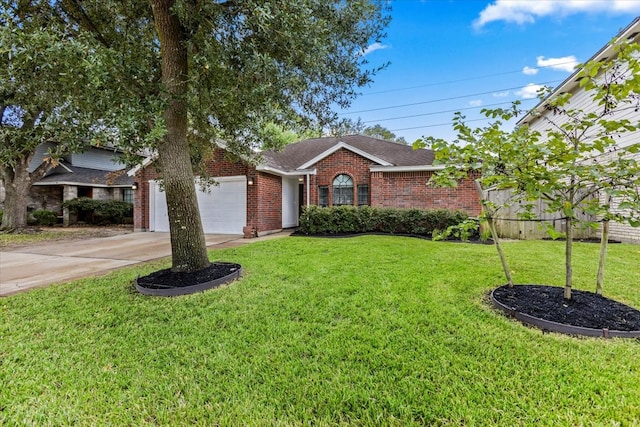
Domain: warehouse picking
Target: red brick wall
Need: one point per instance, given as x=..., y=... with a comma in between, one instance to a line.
x=264, y=204
x=341, y=162
x=217, y=166
x=141, y=198
x=409, y=190
x=220, y=165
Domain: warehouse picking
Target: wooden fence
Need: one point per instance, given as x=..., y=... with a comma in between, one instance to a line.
x=510, y=226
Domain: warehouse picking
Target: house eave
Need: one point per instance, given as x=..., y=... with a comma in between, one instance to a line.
x=146, y=162
x=416, y=168
x=280, y=172
x=570, y=82
x=80, y=184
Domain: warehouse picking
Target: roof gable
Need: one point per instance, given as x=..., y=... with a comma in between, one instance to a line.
x=631, y=32
x=304, y=154
x=339, y=146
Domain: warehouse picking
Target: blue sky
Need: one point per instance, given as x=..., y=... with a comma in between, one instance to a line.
x=451, y=55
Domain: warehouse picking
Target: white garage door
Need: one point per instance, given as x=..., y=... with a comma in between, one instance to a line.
x=223, y=209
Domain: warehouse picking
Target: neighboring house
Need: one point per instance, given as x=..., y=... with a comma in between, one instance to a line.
x=96, y=173
x=581, y=100
x=350, y=170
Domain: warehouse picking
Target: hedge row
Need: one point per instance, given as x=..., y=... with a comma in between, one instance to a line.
x=99, y=212
x=365, y=219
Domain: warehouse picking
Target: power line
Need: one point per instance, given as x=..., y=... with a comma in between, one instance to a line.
x=432, y=113
x=439, y=100
x=466, y=79
x=436, y=125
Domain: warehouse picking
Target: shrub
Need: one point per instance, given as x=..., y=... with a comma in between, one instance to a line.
x=100, y=211
x=45, y=217
x=463, y=231
x=365, y=219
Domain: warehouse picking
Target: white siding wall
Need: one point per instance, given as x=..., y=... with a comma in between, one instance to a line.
x=582, y=100
x=97, y=159
x=93, y=158
x=41, y=153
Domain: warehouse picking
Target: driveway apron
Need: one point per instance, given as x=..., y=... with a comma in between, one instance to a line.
x=42, y=265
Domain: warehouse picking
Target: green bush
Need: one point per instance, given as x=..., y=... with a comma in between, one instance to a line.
x=463, y=231
x=365, y=219
x=99, y=211
x=1, y=212
x=45, y=217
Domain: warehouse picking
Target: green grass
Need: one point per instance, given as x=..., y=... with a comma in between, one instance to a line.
x=368, y=331
x=44, y=234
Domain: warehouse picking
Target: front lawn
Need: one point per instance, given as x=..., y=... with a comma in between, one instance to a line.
x=370, y=330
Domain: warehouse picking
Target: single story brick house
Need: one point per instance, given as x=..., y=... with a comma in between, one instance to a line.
x=349, y=170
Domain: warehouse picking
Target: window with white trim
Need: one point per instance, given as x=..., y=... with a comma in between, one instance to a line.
x=342, y=190
x=363, y=195
x=323, y=196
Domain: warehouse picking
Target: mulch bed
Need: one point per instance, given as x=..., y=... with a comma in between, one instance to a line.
x=473, y=239
x=585, y=309
x=163, y=279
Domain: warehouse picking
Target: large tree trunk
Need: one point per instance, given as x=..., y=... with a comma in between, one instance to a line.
x=188, y=247
x=17, y=184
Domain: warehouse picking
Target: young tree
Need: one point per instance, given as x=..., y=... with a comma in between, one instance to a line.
x=573, y=161
x=493, y=154
x=43, y=98
x=579, y=164
x=221, y=70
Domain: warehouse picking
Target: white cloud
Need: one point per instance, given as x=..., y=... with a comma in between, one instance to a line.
x=374, y=47
x=529, y=71
x=527, y=11
x=475, y=103
x=530, y=91
x=566, y=63
x=501, y=94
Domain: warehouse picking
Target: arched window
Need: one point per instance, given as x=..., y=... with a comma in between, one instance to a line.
x=342, y=190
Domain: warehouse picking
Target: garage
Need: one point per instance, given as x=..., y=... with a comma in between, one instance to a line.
x=223, y=208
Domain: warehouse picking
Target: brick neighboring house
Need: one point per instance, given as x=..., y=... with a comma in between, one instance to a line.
x=96, y=173
x=349, y=170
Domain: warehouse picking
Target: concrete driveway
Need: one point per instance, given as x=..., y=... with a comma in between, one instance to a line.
x=41, y=264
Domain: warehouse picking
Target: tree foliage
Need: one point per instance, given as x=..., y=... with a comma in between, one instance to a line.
x=46, y=71
x=200, y=72
x=575, y=164
x=358, y=127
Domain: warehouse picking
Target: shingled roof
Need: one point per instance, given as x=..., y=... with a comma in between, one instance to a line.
x=73, y=175
x=295, y=156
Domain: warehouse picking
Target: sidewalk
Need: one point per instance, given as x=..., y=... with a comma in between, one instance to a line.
x=42, y=265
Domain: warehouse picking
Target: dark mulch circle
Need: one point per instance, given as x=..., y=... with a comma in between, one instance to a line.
x=163, y=279
x=585, y=309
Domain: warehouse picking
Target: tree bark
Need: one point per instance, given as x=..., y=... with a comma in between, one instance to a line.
x=568, y=252
x=494, y=235
x=188, y=247
x=16, y=186
x=603, y=255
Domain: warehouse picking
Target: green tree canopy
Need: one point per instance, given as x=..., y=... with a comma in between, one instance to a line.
x=192, y=73
x=45, y=72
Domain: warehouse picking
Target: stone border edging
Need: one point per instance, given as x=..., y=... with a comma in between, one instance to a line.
x=186, y=290
x=547, y=325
